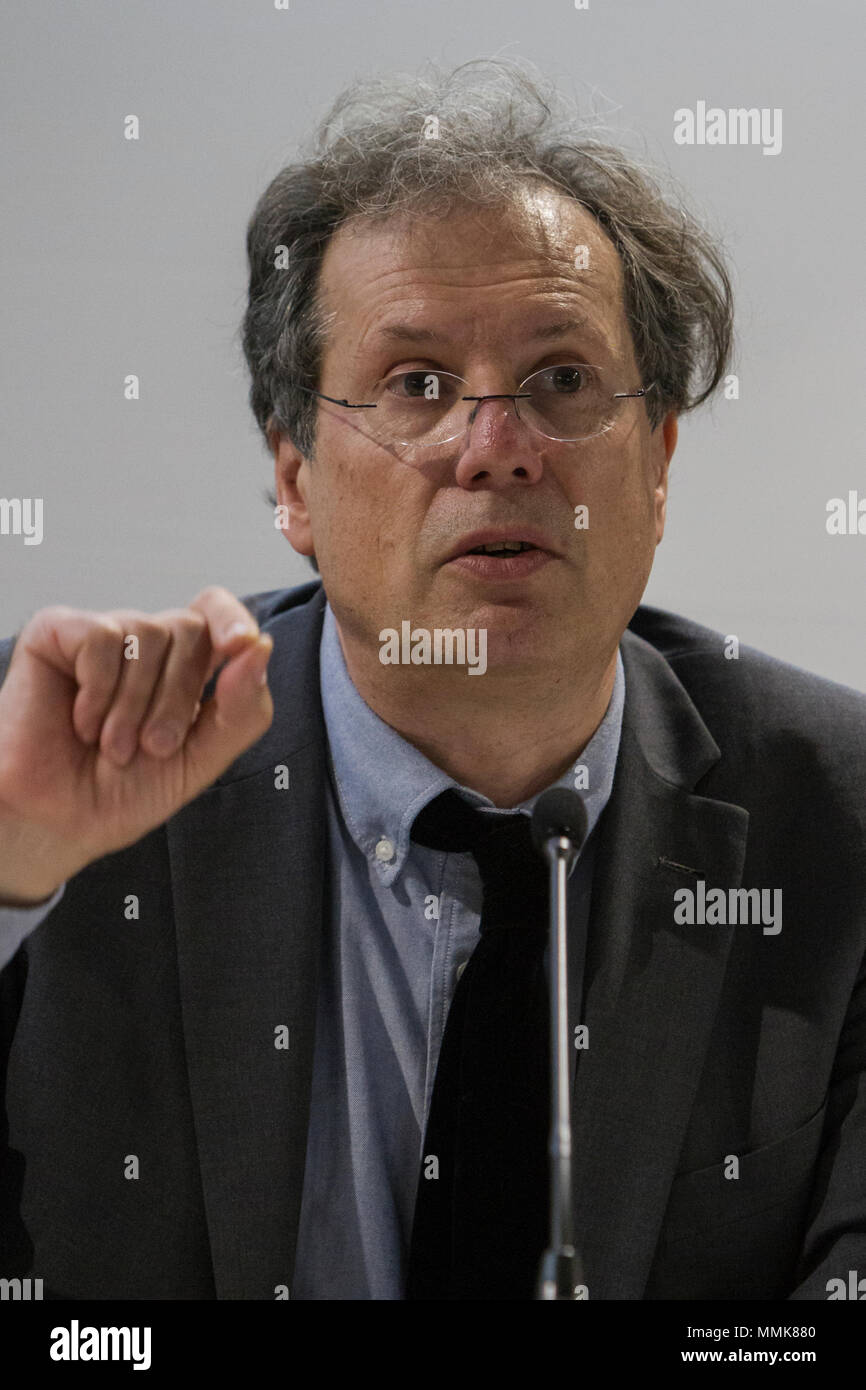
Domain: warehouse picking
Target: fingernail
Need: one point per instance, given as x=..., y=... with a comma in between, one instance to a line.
x=162, y=739
x=238, y=629
x=265, y=644
x=122, y=746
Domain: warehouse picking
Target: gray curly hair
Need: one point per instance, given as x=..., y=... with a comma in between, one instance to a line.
x=498, y=127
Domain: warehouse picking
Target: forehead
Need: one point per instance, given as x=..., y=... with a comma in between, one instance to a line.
x=541, y=251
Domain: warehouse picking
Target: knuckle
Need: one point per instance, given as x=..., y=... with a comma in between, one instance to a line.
x=152, y=632
x=105, y=631
x=55, y=613
x=53, y=616
x=191, y=624
x=213, y=594
x=184, y=619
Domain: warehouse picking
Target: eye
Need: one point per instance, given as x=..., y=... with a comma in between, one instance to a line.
x=424, y=384
x=419, y=384
x=568, y=380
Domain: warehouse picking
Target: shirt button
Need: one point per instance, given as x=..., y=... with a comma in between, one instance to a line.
x=385, y=851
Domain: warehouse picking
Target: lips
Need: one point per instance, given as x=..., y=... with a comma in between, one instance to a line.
x=503, y=568
x=513, y=541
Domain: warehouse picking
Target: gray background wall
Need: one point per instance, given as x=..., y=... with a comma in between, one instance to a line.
x=120, y=257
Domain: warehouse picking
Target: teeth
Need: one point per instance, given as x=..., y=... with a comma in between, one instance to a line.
x=498, y=546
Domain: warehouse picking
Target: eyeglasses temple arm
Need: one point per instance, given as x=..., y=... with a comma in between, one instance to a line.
x=629, y=395
x=348, y=404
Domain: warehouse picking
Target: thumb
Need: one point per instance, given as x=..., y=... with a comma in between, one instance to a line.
x=239, y=712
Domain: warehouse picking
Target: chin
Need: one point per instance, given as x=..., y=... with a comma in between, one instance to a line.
x=517, y=645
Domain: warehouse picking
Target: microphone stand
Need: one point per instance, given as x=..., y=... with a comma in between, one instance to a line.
x=561, y=1271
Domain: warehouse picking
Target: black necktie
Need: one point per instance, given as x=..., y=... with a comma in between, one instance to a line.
x=480, y=1227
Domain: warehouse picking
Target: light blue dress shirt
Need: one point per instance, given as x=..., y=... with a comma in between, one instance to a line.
x=400, y=921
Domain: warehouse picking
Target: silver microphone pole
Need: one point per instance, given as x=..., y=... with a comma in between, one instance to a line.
x=559, y=826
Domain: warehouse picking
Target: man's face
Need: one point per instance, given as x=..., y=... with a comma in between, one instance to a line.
x=478, y=295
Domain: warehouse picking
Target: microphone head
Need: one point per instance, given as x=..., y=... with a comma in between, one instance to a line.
x=559, y=812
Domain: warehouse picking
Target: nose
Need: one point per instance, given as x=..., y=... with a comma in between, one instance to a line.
x=500, y=448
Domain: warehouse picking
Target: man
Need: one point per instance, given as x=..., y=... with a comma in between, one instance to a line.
x=236, y=952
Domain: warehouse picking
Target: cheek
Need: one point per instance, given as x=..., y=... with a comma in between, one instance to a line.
x=368, y=516
x=621, y=535
x=340, y=501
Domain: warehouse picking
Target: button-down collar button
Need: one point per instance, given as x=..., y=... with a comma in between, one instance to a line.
x=385, y=850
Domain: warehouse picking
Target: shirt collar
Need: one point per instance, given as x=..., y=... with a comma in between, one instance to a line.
x=382, y=781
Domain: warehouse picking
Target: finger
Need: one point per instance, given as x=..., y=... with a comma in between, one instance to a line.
x=56, y=635
x=141, y=669
x=84, y=646
x=230, y=624
x=98, y=668
x=175, y=702
x=238, y=714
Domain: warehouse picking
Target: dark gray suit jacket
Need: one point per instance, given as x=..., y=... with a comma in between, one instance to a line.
x=155, y=1037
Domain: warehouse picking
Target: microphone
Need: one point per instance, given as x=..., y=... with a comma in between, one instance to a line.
x=559, y=826
x=559, y=814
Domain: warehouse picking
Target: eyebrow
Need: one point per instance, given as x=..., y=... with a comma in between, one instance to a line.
x=561, y=328
x=408, y=333
x=405, y=333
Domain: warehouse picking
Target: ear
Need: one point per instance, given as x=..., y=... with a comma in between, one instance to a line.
x=290, y=485
x=665, y=441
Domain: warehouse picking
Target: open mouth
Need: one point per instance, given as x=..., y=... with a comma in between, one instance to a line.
x=503, y=548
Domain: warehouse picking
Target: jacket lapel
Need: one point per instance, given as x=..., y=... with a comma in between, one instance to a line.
x=247, y=860
x=651, y=986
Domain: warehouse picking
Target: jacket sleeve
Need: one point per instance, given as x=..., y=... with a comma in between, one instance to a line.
x=16, y=923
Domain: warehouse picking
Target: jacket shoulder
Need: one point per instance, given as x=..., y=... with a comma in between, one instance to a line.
x=271, y=603
x=754, y=697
